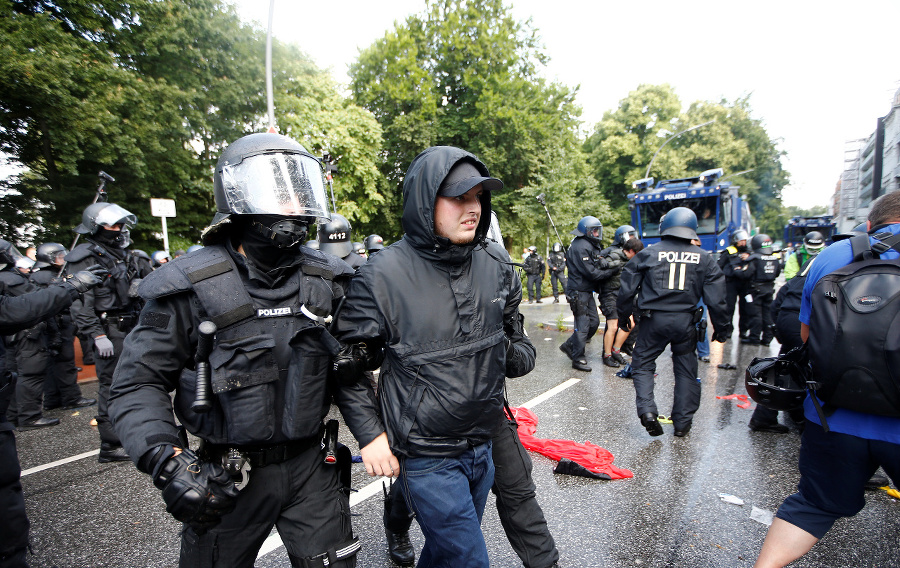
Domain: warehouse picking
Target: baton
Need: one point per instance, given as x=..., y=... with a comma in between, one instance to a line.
x=203, y=400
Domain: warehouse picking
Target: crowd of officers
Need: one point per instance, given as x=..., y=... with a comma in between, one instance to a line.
x=257, y=335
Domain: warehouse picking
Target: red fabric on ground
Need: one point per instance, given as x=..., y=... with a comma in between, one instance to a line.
x=744, y=400
x=593, y=457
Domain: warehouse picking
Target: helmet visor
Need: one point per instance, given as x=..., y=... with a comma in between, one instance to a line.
x=276, y=184
x=112, y=214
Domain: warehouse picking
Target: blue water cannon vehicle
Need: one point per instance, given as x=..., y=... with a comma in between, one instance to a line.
x=799, y=226
x=720, y=208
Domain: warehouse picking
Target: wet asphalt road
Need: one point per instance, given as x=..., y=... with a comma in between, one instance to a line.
x=86, y=514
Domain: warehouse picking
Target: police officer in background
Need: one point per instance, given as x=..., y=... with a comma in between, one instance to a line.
x=586, y=271
x=669, y=279
x=556, y=263
x=18, y=313
x=534, y=269
x=735, y=264
x=765, y=266
x=108, y=312
x=334, y=239
x=270, y=299
x=61, y=383
x=373, y=244
x=813, y=243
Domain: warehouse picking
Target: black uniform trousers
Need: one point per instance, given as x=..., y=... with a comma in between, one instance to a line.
x=116, y=333
x=587, y=320
x=762, y=311
x=61, y=386
x=736, y=292
x=13, y=521
x=520, y=514
x=301, y=496
x=557, y=277
x=32, y=361
x=658, y=330
x=534, y=286
x=788, y=325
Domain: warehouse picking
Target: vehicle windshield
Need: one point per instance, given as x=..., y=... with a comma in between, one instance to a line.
x=704, y=207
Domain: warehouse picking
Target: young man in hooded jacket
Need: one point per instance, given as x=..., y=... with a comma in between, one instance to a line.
x=443, y=304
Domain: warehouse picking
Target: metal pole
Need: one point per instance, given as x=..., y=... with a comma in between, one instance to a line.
x=269, y=94
x=647, y=173
x=165, y=232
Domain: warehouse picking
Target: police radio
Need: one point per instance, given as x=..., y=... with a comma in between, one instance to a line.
x=203, y=400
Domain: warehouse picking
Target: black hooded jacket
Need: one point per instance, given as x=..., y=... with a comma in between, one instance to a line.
x=448, y=318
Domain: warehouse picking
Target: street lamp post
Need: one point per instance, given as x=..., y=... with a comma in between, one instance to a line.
x=647, y=174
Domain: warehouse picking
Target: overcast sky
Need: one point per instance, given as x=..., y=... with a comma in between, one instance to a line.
x=819, y=74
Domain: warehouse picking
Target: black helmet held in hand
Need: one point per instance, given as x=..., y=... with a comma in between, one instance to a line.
x=778, y=383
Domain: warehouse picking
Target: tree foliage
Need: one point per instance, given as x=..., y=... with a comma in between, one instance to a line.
x=150, y=91
x=465, y=73
x=624, y=142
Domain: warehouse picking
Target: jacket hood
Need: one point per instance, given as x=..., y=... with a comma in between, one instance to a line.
x=420, y=189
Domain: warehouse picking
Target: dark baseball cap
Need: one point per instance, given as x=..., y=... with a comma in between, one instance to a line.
x=463, y=177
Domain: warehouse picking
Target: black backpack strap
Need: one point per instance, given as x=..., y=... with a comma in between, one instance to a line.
x=885, y=242
x=862, y=250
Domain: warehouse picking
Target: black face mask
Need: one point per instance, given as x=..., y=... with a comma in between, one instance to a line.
x=113, y=239
x=270, y=241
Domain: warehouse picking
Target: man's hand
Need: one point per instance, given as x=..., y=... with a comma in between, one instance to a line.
x=626, y=323
x=378, y=458
x=105, y=349
x=723, y=335
x=88, y=278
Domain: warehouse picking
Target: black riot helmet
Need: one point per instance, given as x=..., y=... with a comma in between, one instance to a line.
x=532, y=249
x=589, y=227
x=98, y=217
x=373, y=243
x=358, y=248
x=556, y=247
x=778, y=383
x=679, y=222
x=159, y=257
x=813, y=242
x=624, y=233
x=334, y=236
x=9, y=254
x=761, y=244
x=49, y=254
x=273, y=181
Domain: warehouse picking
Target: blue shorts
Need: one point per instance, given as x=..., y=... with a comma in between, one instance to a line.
x=834, y=468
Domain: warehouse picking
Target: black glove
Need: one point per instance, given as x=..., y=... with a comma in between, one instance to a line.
x=197, y=493
x=722, y=335
x=625, y=323
x=352, y=360
x=88, y=278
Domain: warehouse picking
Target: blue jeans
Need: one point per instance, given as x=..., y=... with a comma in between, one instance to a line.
x=448, y=497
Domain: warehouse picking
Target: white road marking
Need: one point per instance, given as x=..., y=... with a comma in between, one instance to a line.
x=60, y=462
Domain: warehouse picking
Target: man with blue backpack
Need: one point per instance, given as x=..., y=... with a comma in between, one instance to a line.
x=848, y=314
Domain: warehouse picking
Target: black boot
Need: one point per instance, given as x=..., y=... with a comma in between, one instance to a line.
x=400, y=548
x=649, y=421
x=111, y=453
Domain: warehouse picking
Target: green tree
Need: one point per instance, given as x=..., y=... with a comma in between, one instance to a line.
x=470, y=79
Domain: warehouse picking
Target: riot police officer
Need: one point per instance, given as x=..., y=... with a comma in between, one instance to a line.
x=669, y=279
x=534, y=269
x=556, y=264
x=735, y=263
x=261, y=461
x=334, y=239
x=159, y=257
x=61, y=383
x=586, y=270
x=108, y=312
x=19, y=313
x=765, y=266
x=373, y=244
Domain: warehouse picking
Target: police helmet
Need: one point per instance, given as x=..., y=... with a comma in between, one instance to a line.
x=103, y=214
x=624, y=233
x=49, y=254
x=25, y=264
x=160, y=257
x=9, y=254
x=813, y=242
x=532, y=249
x=334, y=236
x=358, y=248
x=589, y=227
x=192, y=248
x=373, y=243
x=738, y=236
x=776, y=382
x=761, y=244
x=679, y=222
x=556, y=247
x=270, y=176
